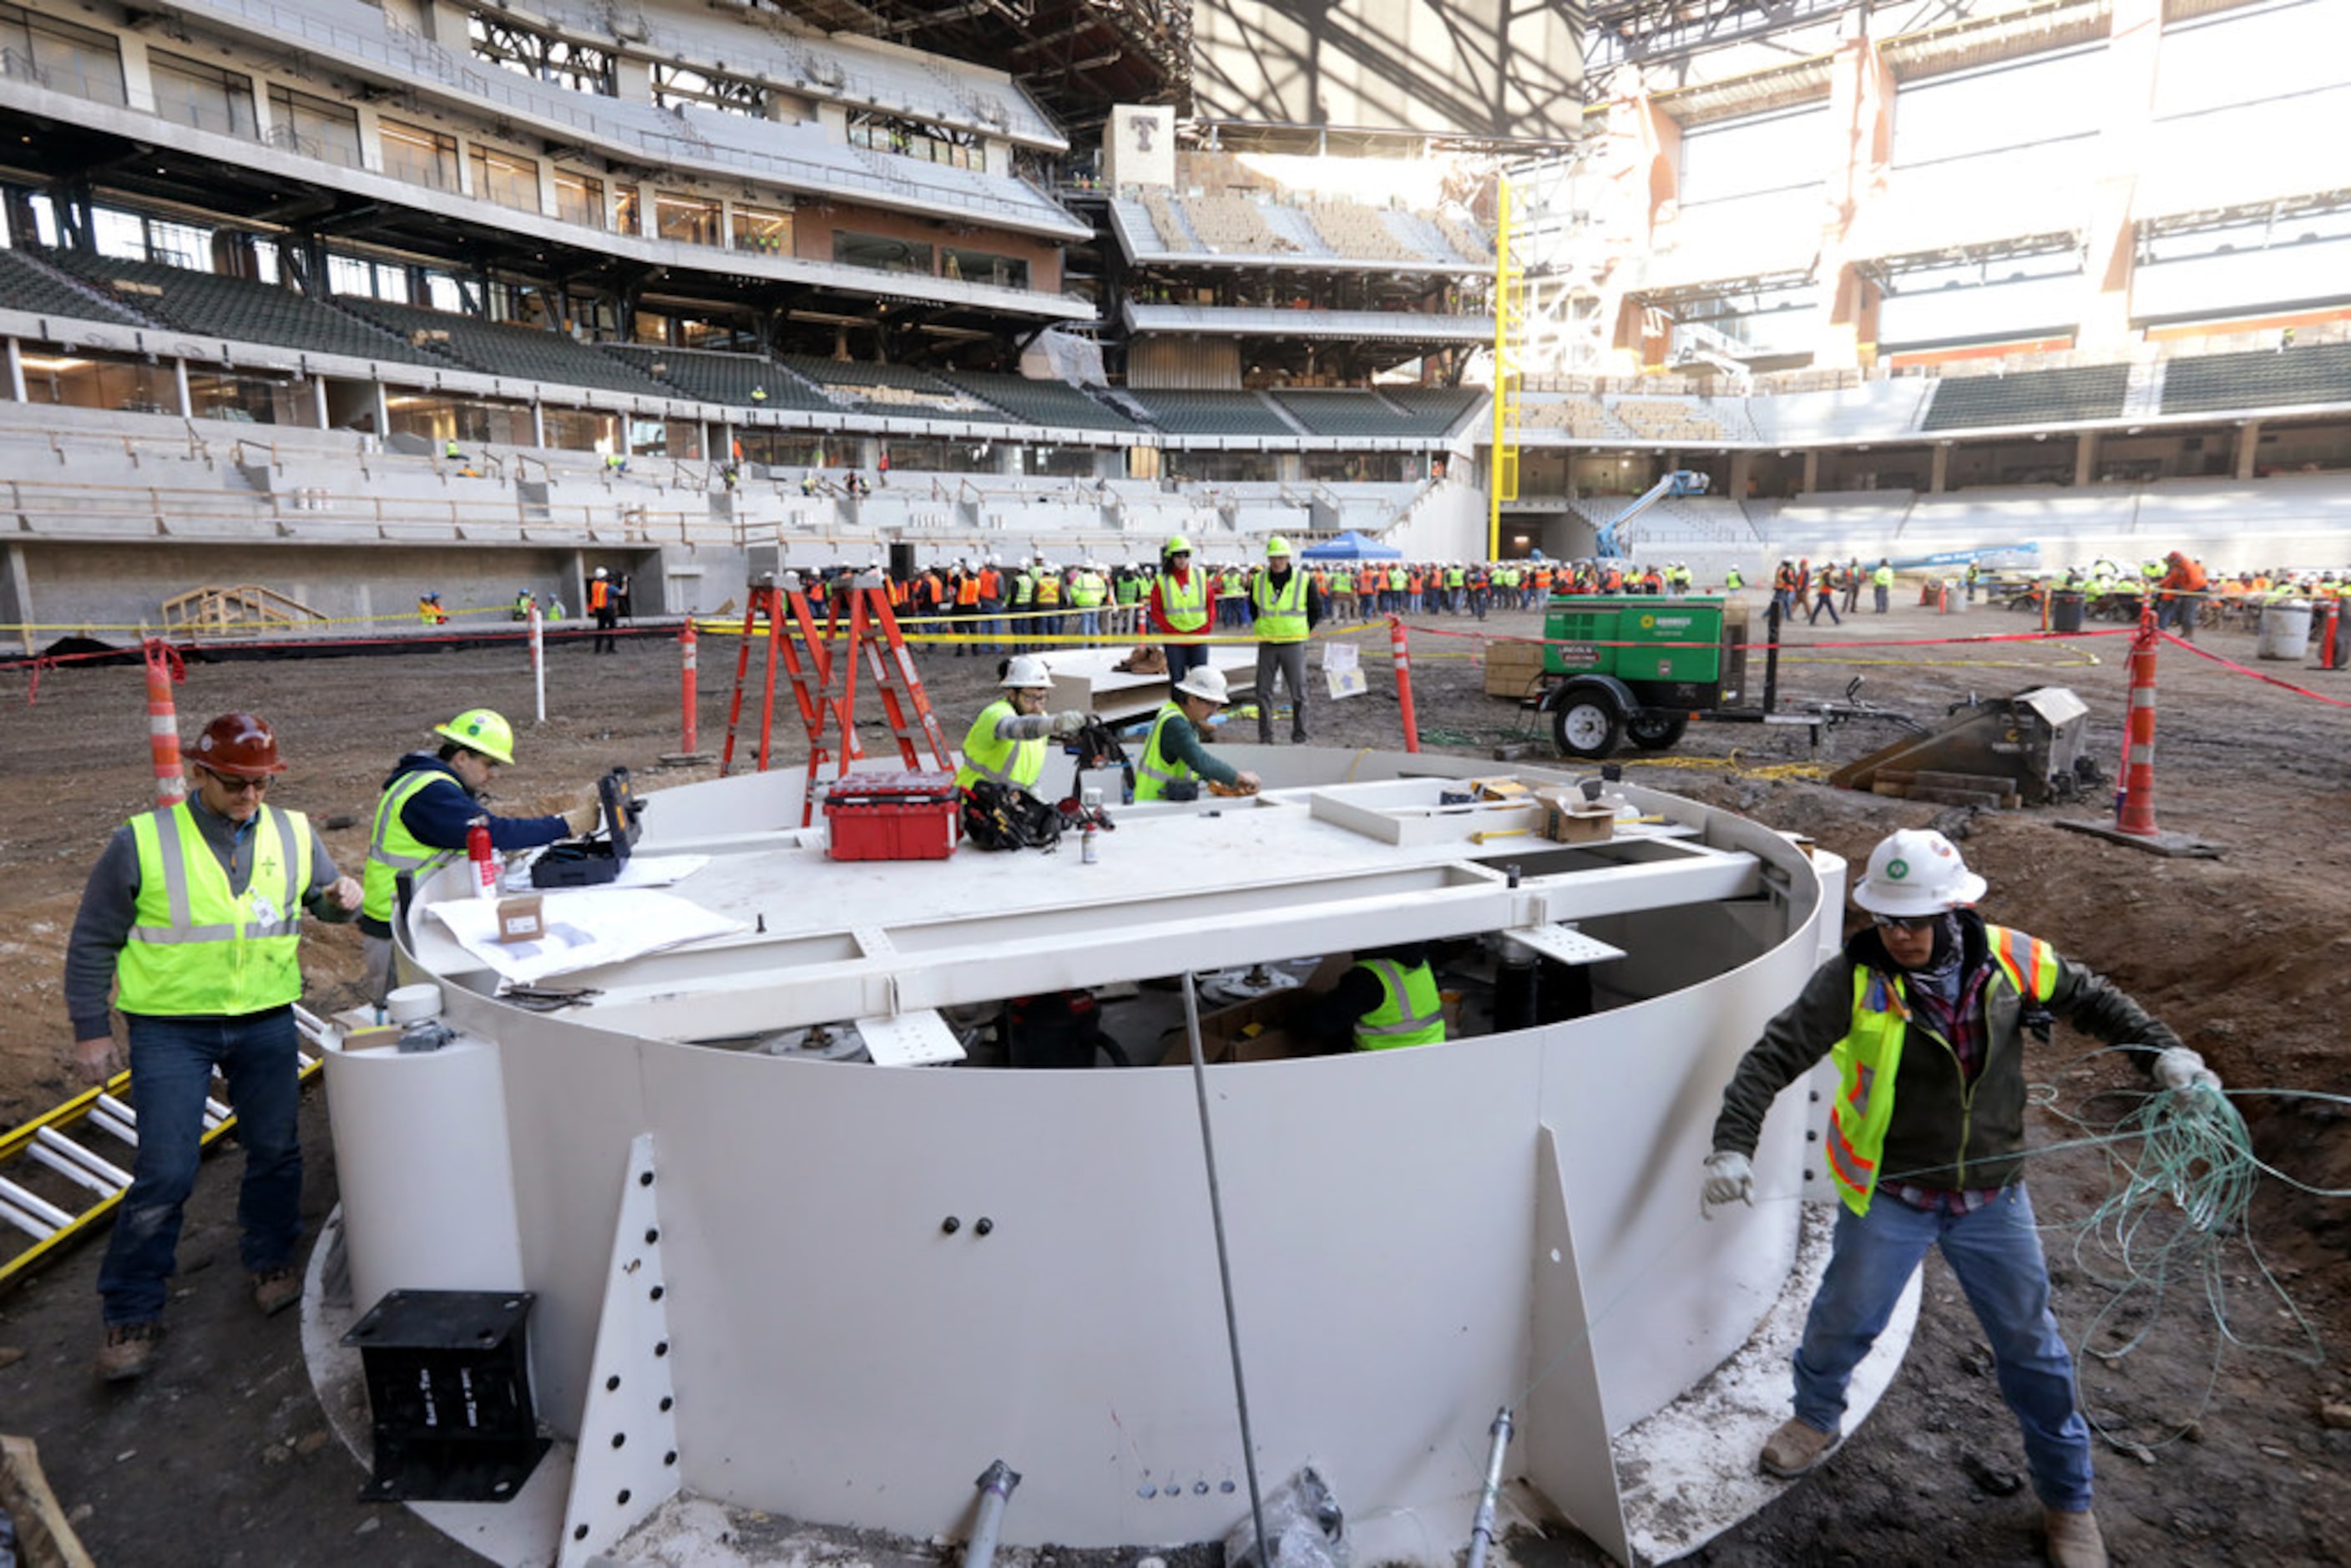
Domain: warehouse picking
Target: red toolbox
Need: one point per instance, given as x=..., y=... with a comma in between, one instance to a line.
x=894, y=816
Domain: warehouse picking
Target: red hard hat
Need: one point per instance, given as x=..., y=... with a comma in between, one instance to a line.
x=237, y=746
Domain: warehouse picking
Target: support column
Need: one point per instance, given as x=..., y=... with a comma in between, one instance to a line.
x=318, y=396
x=1939, y=470
x=2131, y=52
x=537, y=424
x=187, y=402
x=1811, y=470
x=1742, y=464
x=1861, y=108
x=2248, y=447
x=15, y=370
x=2086, y=459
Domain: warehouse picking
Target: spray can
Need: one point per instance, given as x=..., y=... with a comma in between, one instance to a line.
x=485, y=859
x=1090, y=845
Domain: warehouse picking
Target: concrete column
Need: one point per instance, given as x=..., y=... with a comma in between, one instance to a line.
x=538, y=425
x=1938, y=474
x=15, y=370
x=2086, y=459
x=2248, y=447
x=1811, y=470
x=382, y=415
x=1861, y=108
x=1742, y=464
x=2120, y=153
x=186, y=400
x=17, y=594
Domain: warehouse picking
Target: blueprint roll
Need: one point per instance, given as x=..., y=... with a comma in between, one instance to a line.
x=422, y=1161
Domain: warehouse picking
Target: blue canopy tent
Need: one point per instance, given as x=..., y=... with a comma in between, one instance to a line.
x=1352, y=546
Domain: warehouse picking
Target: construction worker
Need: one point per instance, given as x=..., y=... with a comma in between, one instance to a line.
x=1881, y=582
x=1386, y=999
x=2183, y=587
x=607, y=614
x=192, y=918
x=1174, y=760
x=1006, y=741
x=1285, y=608
x=522, y=605
x=430, y=800
x=1925, y=1014
x=1733, y=580
x=1178, y=608
x=429, y=611
x=1087, y=592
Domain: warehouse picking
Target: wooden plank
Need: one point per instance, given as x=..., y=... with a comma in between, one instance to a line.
x=43, y=1537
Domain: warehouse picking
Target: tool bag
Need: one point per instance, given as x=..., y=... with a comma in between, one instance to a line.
x=1003, y=816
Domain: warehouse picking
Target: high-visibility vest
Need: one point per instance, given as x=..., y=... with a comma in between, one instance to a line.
x=990, y=585
x=1049, y=588
x=1130, y=590
x=1411, y=1012
x=1454, y=577
x=393, y=849
x=966, y=592
x=1883, y=577
x=195, y=948
x=599, y=593
x=987, y=754
x=1342, y=582
x=1732, y=581
x=1868, y=1056
x=1085, y=591
x=1186, y=605
x=1281, y=612
x=1024, y=588
x=1157, y=770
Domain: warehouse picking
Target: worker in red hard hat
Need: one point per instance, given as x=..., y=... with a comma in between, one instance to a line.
x=192, y=919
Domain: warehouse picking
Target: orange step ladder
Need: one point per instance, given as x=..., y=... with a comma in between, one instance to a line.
x=865, y=623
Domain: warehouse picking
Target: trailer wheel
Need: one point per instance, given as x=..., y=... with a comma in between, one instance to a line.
x=1586, y=723
x=1652, y=731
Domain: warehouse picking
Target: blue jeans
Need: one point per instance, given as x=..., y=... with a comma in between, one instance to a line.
x=172, y=1062
x=1182, y=659
x=1996, y=1253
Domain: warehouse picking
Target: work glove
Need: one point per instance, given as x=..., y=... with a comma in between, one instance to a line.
x=1069, y=721
x=2180, y=1068
x=584, y=812
x=1729, y=1179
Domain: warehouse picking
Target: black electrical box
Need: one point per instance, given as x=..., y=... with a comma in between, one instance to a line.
x=448, y=1379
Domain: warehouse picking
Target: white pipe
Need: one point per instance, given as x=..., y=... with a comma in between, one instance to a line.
x=996, y=1484
x=538, y=660
x=1481, y=1529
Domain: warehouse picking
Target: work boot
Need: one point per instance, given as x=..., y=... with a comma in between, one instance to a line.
x=275, y=1289
x=1796, y=1448
x=2073, y=1539
x=129, y=1351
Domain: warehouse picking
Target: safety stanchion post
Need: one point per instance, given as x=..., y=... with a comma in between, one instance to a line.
x=538, y=661
x=164, y=725
x=1399, y=642
x=2326, y=643
x=686, y=640
x=2134, y=800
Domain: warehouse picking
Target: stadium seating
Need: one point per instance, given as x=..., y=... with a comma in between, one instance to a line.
x=25, y=284
x=1434, y=411
x=1049, y=403
x=730, y=378
x=2275, y=379
x=526, y=354
x=1342, y=412
x=232, y=308
x=1660, y=419
x=2036, y=397
x=886, y=389
x=1358, y=231
x=1211, y=412
x=1580, y=417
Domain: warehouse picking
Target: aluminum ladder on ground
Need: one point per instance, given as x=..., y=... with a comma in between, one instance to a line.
x=829, y=707
x=73, y=1143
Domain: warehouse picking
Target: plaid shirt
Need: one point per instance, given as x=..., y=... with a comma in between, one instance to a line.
x=1950, y=1006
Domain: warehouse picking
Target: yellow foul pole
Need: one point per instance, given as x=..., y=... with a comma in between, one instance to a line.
x=1508, y=308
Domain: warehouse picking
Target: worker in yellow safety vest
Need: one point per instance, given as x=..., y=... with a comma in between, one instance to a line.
x=1924, y=1014
x=1007, y=742
x=1388, y=999
x=1285, y=608
x=192, y=919
x=1177, y=609
x=430, y=802
x=1174, y=760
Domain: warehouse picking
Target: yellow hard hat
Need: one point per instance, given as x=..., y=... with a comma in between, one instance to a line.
x=1178, y=545
x=1277, y=546
x=484, y=730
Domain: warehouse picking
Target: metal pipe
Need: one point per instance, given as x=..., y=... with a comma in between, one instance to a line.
x=1481, y=1529
x=1223, y=1266
x=995, y=1484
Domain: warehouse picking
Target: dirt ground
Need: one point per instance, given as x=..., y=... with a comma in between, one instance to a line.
x=2215, y=1451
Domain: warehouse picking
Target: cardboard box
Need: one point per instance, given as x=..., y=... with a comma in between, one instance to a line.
x=1513, y=669
x=374, y=1037
x=1508, y=791
x=1570, y=819
x=522, y=919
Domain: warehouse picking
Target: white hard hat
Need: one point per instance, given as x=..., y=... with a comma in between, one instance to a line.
x=600, y=571
x=1917, y=872
x=1207, y=681
x=1028, y=672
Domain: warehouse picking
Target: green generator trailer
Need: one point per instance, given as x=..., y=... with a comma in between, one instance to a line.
x=1619, y=668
